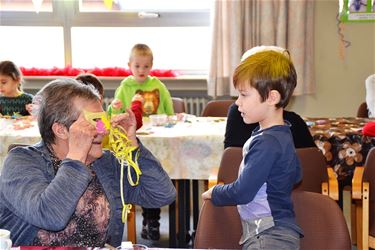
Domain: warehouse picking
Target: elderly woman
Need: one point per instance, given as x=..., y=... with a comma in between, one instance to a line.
x=65, y=190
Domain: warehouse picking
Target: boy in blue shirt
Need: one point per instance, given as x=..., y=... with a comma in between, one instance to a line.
x=270, y=166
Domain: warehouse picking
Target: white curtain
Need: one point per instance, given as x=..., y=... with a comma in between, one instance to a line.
x=238, y=25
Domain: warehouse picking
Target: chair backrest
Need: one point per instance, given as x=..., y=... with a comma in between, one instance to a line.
x=229, y=165
x=312, y=160
x=369, y=176
x=321, y=220
x=362, y=110
x=217, y=108
x=178, y=105
x=319, y=216
x=218, y=227
x=314, y=169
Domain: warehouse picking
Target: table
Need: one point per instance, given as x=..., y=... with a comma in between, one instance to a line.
x=189, y=150
x=78, y=248
x=23, y=130
x=342, y=143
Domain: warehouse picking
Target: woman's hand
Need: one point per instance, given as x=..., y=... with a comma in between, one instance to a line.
x=81, y=135
x=128, y=122
x=208, y=194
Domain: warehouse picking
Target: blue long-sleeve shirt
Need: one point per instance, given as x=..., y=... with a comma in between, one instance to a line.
x=268, y=172
x=33, y=197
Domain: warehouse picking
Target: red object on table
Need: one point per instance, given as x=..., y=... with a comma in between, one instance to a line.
x=369, y=129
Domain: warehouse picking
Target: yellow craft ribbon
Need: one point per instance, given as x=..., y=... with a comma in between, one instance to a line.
x=121, y=147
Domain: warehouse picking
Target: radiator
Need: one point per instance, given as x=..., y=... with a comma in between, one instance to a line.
x=193, y=105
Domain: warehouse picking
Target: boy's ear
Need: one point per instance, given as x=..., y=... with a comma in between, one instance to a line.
x=274, y=97
x=60, y=131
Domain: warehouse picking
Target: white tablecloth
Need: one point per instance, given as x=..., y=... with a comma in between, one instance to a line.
x=187, y=150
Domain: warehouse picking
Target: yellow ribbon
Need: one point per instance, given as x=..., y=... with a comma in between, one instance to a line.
x=121, y=147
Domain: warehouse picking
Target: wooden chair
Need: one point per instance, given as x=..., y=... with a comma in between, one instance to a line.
x=178, y=105
x=131, y=225
x=318, y=215
x=362, y=110
x=321, y=220
x=217, y=108
x=229, y=166
x=317, y=177
x=363, y=193
x=218, y=227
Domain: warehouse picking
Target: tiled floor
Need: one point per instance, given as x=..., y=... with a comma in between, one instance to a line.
x=164, y=229
x=164, y=224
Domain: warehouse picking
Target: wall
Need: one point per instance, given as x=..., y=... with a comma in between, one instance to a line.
x=340, y=83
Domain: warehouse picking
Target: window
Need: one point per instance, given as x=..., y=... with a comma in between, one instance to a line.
x=90, y=33
x=144, y=5
x=110, y=47
x=26, y=5
x=32, y=46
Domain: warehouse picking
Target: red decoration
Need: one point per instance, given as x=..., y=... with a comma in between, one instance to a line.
x=111, y=71
x=369, y=129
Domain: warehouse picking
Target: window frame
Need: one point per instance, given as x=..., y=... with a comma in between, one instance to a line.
x=67, y=15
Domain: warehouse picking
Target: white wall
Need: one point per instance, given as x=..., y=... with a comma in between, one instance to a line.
x=340, y=83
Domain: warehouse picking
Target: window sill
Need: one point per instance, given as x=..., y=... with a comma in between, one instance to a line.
x=179, y=83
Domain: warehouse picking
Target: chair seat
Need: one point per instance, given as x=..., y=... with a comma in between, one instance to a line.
x=321, y=220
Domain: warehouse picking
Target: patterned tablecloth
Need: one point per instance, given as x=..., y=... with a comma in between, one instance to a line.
x=187, y=150
x=342, y=143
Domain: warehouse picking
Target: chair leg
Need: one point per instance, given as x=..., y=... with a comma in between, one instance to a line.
x=365, y=215
x=354, y=225
x=346, y=207
x=132, y=234
x=359, y=224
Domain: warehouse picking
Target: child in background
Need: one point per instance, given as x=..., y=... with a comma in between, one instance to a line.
x=157, y=100
x=136, y=104
x=13, y=100
x=270, y=166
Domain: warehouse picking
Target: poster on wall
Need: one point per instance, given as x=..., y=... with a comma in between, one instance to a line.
x=357, y=10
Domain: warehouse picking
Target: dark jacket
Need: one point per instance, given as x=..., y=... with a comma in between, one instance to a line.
x=237, y=132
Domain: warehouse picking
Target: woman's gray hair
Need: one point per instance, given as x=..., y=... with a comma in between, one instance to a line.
x=55, y=103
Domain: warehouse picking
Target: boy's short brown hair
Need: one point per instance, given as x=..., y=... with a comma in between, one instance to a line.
x=266, y=71
x=141, y=49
